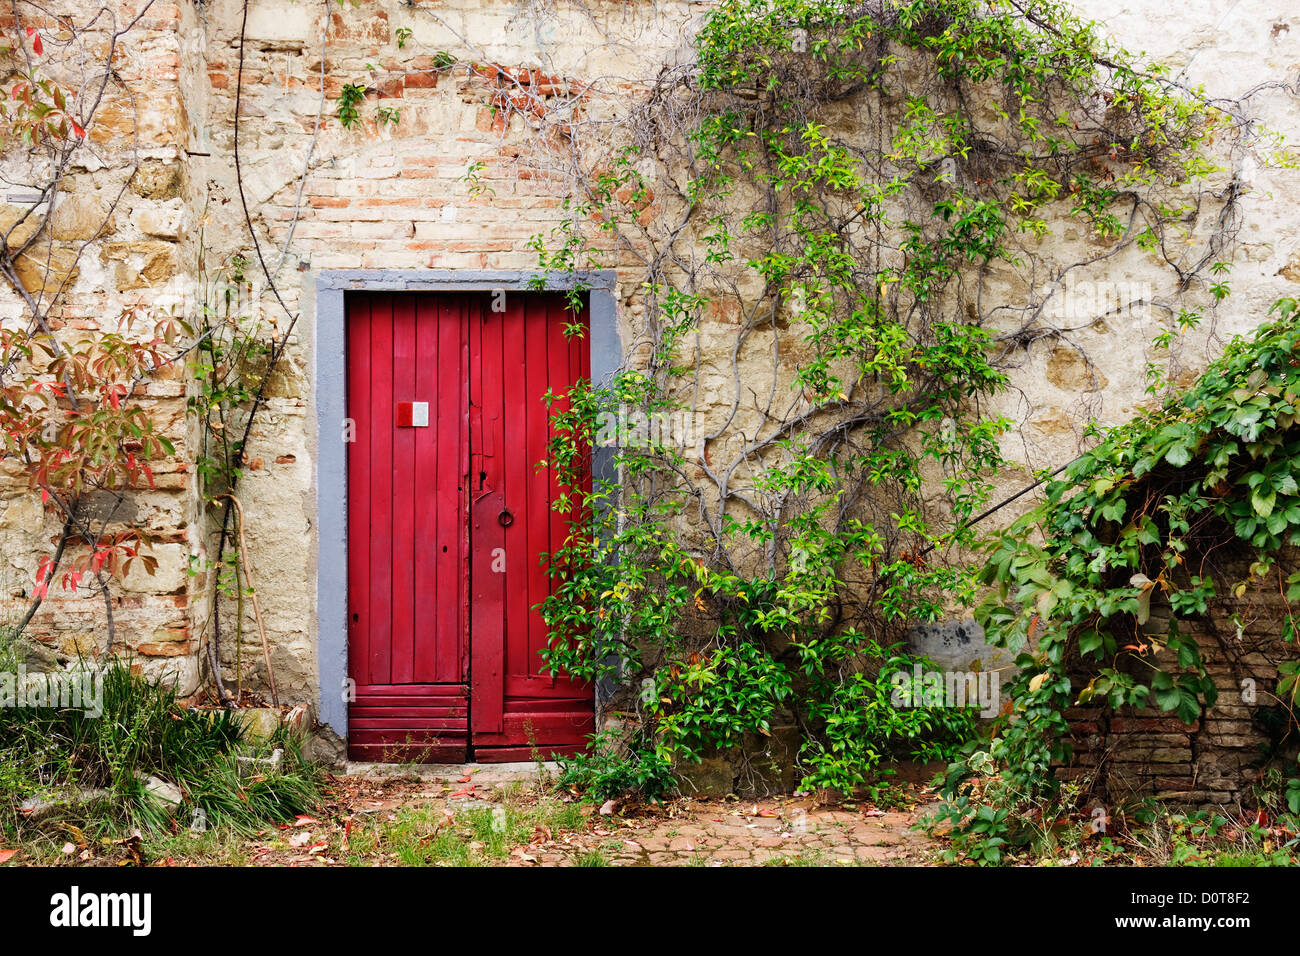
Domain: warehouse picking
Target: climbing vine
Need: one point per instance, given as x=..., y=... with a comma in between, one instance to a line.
x=866, y=194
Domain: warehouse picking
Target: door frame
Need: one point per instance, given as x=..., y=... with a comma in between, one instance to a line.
x=329, y=394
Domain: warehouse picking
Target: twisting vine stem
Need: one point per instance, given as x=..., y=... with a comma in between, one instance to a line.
x=863, y=193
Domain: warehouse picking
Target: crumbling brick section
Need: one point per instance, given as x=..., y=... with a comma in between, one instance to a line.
x=1219, y=758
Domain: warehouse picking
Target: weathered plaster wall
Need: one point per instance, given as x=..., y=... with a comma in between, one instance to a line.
x=322, y=197
x=120, y=233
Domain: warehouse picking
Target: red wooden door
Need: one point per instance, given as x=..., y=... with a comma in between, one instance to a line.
x=447, y=516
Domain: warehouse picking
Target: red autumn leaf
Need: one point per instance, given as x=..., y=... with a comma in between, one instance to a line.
x=464, y=779
x=76, y=128
x=37, y=47
x=6, y=855
x=305, y=821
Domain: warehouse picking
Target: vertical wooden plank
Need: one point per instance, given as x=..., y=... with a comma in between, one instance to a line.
x=489, y=538
x=445, y=568
x=381, y=491
x=465, y=348
x=424, y=506
x=515, y=478
x=476, y=474
x=536, y=503
x=358, y=453
x=403, y=494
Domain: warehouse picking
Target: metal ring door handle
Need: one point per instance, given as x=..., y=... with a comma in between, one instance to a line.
x=505, y=518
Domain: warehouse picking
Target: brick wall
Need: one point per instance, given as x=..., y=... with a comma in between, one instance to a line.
x=1219, y=758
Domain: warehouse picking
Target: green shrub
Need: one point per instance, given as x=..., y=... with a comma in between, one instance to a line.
x=614, y=767
x=57, y=755
x=862, y=725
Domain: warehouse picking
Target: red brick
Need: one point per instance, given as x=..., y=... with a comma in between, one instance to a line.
x=489, y=122
x=422, y=80
x=164, y=649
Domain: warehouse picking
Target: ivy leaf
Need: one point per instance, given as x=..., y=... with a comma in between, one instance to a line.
x=1143, y=598
x=1114, y=510
x=1169, y=698
x=1262, y=501
x=1144, y=606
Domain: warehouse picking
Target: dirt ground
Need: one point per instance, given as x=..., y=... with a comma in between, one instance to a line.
x=478, y=820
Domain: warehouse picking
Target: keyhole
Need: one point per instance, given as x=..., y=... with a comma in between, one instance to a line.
x=444, y=549
x=355, y=618
x=482, y=479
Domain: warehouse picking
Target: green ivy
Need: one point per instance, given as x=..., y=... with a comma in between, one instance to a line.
x=1134, y=518
x=744, y=607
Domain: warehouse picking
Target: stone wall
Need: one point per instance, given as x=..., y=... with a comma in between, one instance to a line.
x=119, y=233
x=400, y=196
